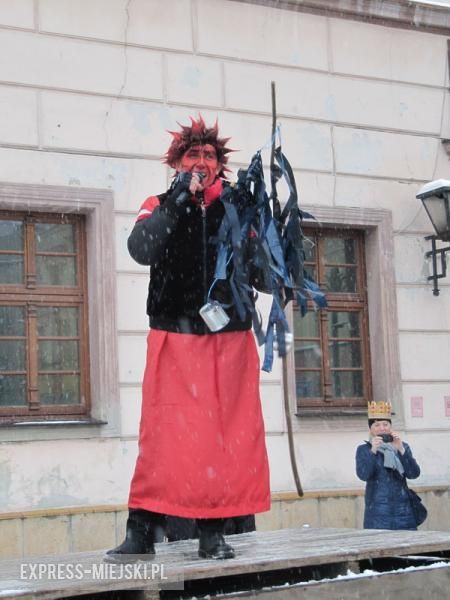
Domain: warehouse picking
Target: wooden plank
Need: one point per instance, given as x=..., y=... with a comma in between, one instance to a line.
x=296, y=547
x=255, y=552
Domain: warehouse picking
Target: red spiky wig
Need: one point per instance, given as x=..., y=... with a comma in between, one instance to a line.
x=197, y=133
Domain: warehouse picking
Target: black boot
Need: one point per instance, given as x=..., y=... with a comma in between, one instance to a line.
x=212, y=543
x=143, y=530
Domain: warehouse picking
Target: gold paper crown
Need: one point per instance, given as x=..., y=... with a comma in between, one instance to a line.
x=379, y=410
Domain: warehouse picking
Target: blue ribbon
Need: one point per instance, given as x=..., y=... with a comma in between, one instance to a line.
x=279, y=256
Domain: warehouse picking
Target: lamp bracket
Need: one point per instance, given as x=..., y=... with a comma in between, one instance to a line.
x=433, y=254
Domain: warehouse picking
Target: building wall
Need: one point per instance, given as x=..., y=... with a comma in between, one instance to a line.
x=83, y=529
x=87, y=97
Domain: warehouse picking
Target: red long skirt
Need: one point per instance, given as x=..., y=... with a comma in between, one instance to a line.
x=202, y=450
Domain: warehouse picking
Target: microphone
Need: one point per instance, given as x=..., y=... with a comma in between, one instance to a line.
x=184, y=195
x=199, y=193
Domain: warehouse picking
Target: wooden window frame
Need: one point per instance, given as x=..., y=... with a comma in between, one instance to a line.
x=382, y=310
x=97, y=206
x=338, y=301
x=30, y=296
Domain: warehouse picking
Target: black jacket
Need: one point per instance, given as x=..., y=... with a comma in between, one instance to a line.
x=177, y=243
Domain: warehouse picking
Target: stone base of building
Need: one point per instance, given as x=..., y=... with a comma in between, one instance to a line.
x=86, y=528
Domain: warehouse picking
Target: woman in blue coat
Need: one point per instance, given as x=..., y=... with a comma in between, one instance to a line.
x=385, y=466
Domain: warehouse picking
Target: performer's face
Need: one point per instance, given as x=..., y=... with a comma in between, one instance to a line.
x=201, y=159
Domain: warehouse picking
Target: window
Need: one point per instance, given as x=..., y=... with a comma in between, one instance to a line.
x=91, y=211
x=332, y=362
x=44, y=362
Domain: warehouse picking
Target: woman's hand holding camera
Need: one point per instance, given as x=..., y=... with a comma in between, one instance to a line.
x=397, y=443
x=376, y=442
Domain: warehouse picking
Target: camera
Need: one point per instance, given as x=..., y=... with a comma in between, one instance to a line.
x=387, y=437
x=214, y=316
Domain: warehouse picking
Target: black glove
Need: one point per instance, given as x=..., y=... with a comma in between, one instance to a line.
x=179, y=192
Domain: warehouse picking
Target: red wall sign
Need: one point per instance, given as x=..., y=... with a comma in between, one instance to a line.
x=417, y=406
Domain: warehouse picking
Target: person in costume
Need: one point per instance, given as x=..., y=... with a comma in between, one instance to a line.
x=384, y=462
x=202, y=452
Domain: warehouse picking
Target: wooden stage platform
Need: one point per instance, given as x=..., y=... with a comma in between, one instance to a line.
x=290, y=563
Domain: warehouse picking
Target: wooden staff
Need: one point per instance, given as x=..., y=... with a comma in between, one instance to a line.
x=276, y=214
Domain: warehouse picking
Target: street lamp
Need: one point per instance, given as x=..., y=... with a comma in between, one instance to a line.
x=435, y=197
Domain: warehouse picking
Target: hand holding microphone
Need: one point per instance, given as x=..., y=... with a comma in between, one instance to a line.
x=196, y=182
x=187, y=184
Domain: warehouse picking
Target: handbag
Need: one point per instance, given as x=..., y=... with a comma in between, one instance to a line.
x=419, y=510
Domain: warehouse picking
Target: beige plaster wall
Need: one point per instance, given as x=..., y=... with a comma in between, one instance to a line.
x=83, y=529
x=86, y=97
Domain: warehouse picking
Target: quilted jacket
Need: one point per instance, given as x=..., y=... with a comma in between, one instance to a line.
x=387, y=504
